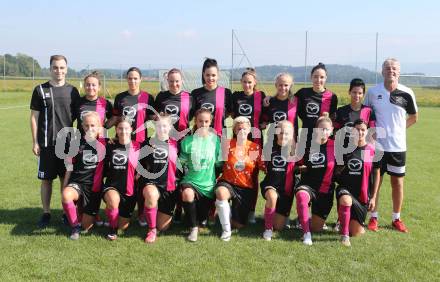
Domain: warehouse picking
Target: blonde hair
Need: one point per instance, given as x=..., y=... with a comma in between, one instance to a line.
x=325, y=117
x=164, y=117
x=93, y=115
x=251, y=72
x=239, y=120
x=289, y=77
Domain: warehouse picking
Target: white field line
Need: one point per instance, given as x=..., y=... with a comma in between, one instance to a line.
x=13, y=107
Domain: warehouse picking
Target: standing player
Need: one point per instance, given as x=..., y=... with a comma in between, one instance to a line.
x=51, y=110
x=316, y=186
x=91, y=102
x=136, y=106
x=249, y=103
x=200, y=156
x=277, y=187
x=213, y=97
x=159, y=179
x=176, y=103
x=85, y=179
x=358, y=185
x=313, y=102
x=119, y=191
x=396, y=110
x=237, y=180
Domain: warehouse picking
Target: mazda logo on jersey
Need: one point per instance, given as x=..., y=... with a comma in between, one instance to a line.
x=90, y=159
x=83, y=113
x=129, y=112
x=160, y=153
x=312, y=108
x=279, y=161
x=354, y=165
x=208, y=106
x=171, y=110
x=119, y=159
x=245, y=109
x=279, y=116
x=317, y=158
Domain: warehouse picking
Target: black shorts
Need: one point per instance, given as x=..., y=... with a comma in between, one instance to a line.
x=358, y=211
x=49, y=165
x=284, y=201
x=203, y=203
x=242, y=201
x=167, y=199
x=393, y=163
x=322, y=203
x=88, y=200
x=126, y=204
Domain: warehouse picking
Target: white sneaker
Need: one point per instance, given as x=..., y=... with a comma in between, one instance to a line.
x=267, y=234
x=345, y=240
x=226, y=236
x=194, y=232
x=287, y=223
x=337, y=227
x=307, y=239
x=251, y=218
x=324, y=227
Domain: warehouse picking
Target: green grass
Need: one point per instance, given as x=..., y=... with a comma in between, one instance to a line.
x=30, y=254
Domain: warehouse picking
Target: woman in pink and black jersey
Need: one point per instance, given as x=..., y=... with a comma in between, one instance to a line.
x=212, y=96
x=135, y=105
x=83, y=191
x=91, y=102
x=314, y=101
x=358, y=181
x=316, y=186
x=119, y=191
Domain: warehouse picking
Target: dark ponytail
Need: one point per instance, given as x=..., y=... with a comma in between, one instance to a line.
x=208, y=63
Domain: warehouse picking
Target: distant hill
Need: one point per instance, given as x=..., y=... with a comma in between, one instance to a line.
x=336, y=73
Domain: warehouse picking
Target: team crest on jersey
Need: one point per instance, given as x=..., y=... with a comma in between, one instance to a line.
x=208, y=106
x=119, y=158
x=129, y=112
x=279, y=116
x=245, y=109
x=239, y=166
x=90, y=159
x=354, y=165
x=379, y=97
x=317, y=158
x=279, y=161
x=172, y=110
x=312, y=108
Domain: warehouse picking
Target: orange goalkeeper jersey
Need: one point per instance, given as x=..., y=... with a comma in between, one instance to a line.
x=242, y=164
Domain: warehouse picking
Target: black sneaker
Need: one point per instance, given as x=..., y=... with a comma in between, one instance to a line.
x=113, y=234
x=44, y=220
x=64, y=220
x=74, y=235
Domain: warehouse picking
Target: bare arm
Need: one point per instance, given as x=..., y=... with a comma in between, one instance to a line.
x=376, y=183
x=34, y=126
x=411, y=119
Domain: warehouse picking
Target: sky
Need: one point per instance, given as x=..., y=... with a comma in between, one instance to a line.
x=164, y=34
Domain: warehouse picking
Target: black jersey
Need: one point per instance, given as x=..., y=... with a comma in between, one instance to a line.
x=346, y=116
x=249, y=106
x=55, y=105
x=280, y=171
x=357, y=176
x=280, y=110
x=121, y=162
x=101, y=105
x=320, y=163
x=88, y=164
x=178, y=106
x=218, y=101
x=312, y=105
x=160, y=163
x=134, y=107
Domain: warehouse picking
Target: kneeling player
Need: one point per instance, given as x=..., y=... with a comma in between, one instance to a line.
x=159, y=179
x=277, y=186
x=85, y=180
x=316, y=186
x=237, y=180
x=360, y=175
x=119, y=190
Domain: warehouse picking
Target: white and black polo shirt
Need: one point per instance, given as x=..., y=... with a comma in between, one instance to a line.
x=391, y=111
